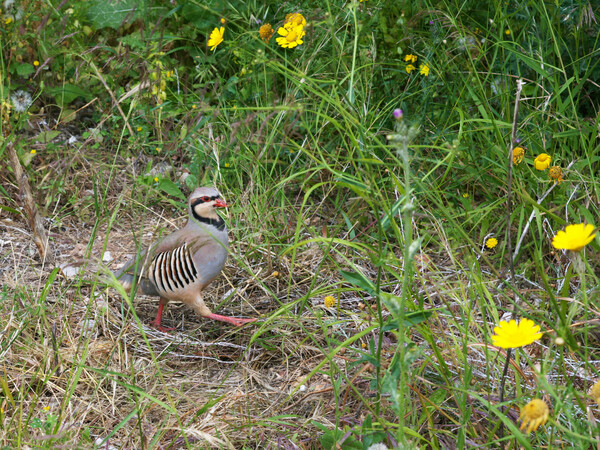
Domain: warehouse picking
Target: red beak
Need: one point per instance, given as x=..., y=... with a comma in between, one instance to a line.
x=220, y=203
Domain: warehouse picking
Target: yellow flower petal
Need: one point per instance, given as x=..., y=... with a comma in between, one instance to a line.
x=542, y=161
x=534, y=414
x=216, y=37
x=513, y=335
x=574, y=238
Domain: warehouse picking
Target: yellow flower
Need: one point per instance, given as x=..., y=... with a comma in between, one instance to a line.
x=410, y=68
x=216, y=37
x=424, y=69
x=507, y=32
x=329, y=301
x=139, y=128
x=46, y=408
x=466, y=195
x=542, y=161
x=491, y=243
x=8, y=20
x=295, y=20
x=156, y=179
x=513, y=335
x=275, y=274
x=595, y=392
x=223, y=21
x=227, y=164
x=266, y=31
x=291, y=36
x=411, y=58
x=556, y=174
x=33, y=152
x=36, y=63
x=534, y=414
x=518, y=154
x=574, y=238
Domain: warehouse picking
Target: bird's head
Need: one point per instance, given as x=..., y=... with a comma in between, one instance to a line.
x=203, y=201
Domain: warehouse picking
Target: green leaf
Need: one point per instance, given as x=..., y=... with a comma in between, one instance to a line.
x=170, y=188
x=359, y=280
x=25, y=69
x=113, y=13
x=66, y=93
x=410, y=319
x=387, y=219
x=46, y=136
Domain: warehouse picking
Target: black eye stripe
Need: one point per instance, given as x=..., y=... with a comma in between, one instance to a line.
x=204, y=199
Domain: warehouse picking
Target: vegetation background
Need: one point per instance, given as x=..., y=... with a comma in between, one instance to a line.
x=118, y=109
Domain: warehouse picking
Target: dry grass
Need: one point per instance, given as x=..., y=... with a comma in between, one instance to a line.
x=72, y=345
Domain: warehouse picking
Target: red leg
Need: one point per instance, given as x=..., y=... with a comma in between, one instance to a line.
x=232, y=320
x=156, y=322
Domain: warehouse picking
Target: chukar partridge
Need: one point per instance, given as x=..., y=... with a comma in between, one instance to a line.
x=182, y=264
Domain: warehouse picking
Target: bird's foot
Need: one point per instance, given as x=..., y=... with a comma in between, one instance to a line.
x=156, y=324
x=232, y=320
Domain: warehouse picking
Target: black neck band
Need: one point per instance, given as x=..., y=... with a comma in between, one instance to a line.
x=219, y=223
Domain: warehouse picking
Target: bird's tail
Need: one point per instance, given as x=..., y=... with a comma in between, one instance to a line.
x=146, y=286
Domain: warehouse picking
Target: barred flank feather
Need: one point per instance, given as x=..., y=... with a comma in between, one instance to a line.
x=173, y=270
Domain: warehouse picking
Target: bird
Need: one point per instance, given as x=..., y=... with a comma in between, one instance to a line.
x=181, y=265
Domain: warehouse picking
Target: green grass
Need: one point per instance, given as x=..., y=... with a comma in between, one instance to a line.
x=330, y=195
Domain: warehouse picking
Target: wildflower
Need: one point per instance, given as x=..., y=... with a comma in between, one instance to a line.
x=21, y=100
x=157, y=149
x=329, y=301
x=363, y=345
x=466, y=195
x=223, y=21
x=139, y=129
x=8, y=20
x=398, y=113
x=266, y=32
x=595, y=392
x=513, y=335
x=378, y=446
x=574, y=238
x=518, y=155
x=410, y=68
x=294, y=20
x=36, y=63
x=411, y=58
x=275, y=274
x=156, y=179
x=216, y=37
x=542, y=161
x=424, y=69
x=491, y=242
x=534, y=414
x=227, y=165
x=291, y=36
x=556, y=174
x=33, y=152
x=507, y=32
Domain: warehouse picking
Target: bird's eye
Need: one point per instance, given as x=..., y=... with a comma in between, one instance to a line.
x=205, y=199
